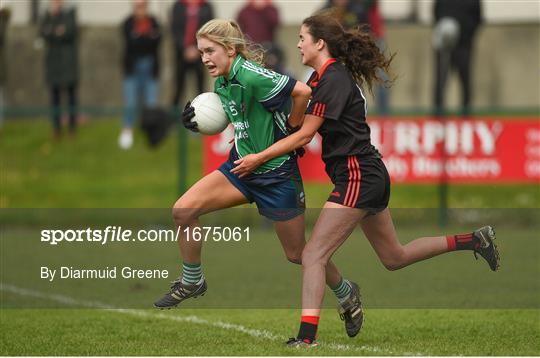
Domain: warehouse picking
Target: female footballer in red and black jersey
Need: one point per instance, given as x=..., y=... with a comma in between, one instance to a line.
x=344, y=61
x=352, y=163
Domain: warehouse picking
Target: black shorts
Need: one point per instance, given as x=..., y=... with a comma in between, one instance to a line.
x=359, y=182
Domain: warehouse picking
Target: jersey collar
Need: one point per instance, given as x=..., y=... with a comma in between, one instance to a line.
x=237, y=63
x=323, y=68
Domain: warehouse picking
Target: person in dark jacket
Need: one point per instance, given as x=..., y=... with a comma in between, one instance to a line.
x=59, y=30
x=187, y=17
x=142, y=36
x=350, y=13
x=468, y=15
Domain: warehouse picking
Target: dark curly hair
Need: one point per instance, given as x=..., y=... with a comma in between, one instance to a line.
x=355, y=48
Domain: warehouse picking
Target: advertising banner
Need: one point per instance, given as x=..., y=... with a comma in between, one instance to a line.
x=424, y=150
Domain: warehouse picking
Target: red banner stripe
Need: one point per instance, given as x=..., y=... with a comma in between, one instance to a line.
x=422, y=150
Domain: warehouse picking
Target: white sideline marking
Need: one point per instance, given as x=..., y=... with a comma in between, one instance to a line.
x=190, y=319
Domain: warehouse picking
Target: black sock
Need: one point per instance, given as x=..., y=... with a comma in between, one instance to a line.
x=308, y=328
x=463, y=242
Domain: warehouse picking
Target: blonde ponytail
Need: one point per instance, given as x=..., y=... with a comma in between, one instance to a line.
x=228, y=34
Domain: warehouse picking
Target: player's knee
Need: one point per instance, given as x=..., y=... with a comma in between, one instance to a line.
x=394, y=263
x=312, y=257
x=391, y=265
x=183, y=211
x=394, y=259
x=295, y=257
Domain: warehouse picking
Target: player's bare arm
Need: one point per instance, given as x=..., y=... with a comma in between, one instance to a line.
x=300, y=97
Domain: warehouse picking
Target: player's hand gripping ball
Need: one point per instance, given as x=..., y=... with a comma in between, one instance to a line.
x=187, y=115
x=205, y=114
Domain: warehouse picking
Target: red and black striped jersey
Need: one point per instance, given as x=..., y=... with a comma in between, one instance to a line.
x=338, y=99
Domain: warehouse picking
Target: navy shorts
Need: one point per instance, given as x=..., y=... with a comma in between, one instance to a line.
x=279, y=198
x=359, y=182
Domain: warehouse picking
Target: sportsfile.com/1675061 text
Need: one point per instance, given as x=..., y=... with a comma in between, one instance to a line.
x=112, y=234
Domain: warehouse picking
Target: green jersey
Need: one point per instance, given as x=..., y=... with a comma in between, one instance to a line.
x=254, y=99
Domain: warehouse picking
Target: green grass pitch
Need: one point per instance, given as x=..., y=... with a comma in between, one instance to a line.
x=450, y=305
x=262, y=332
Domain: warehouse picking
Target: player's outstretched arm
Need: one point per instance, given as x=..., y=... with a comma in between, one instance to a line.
x=303, y=136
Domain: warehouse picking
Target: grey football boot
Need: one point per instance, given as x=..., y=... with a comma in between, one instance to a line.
x=485, y=247
x=180, y=292
x=298, y=343
x=351, y=311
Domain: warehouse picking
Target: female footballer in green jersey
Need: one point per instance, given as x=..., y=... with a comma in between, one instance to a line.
x=255, y=100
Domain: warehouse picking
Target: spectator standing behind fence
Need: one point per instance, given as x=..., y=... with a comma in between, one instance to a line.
x=375, y=20
x=353, y=13
x=142, y=36
x=187, y=17
x=467, y=14
x=5, y=14
x=259, y=20
x=349, y=14
x=59, y=30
